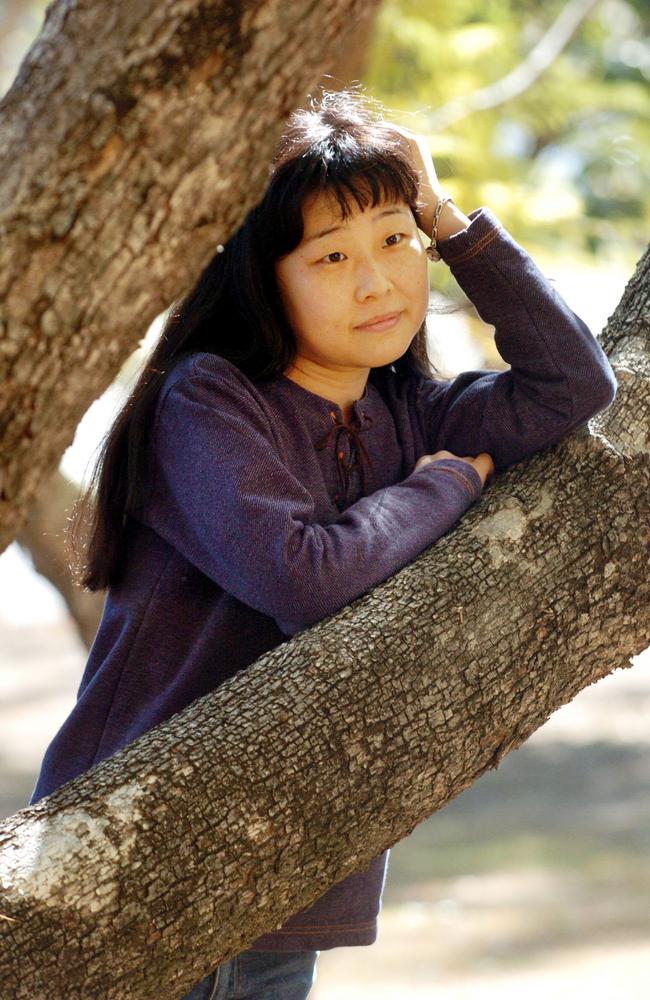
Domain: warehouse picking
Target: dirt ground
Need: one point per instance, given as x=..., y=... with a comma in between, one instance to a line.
x=535, y=881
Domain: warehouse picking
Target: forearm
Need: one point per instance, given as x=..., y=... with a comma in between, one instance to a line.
x=559, y=375
x=451, y=220
x=326, y=567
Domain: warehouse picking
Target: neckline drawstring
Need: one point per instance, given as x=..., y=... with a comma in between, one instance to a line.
x=358, y=452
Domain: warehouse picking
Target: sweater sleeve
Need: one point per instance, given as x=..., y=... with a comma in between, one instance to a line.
x=559, y=375
x=223, y=497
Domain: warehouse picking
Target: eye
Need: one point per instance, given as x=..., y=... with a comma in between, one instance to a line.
x=335, y=253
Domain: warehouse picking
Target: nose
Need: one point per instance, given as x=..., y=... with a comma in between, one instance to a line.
x=372, y=281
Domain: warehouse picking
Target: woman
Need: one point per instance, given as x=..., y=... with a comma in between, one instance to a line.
x=288, y=447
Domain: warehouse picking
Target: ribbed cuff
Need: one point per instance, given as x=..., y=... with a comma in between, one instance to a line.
x=483, y=228
x=462, y=471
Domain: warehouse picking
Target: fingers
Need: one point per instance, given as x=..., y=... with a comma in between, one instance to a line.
x=482, y=463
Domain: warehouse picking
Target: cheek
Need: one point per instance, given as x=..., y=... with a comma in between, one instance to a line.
x=312, y=305
x=294, y=295
x=423, y=284
x=415, y=283
x=310, y=308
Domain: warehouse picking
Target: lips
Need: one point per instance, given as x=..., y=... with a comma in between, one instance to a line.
x=379, y=322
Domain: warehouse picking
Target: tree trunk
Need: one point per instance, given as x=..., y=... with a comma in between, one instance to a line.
x=243, y=809
x=119, y=174
x=43, y=537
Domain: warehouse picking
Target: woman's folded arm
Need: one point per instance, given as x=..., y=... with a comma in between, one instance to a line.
x=225, y=499
x=559, y=375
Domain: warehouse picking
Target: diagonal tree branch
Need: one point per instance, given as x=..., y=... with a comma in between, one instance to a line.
x=523, y=76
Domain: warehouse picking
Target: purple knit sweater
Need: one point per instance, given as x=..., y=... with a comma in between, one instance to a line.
x=266, y=514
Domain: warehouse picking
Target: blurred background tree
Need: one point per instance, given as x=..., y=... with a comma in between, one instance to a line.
x=562, y=155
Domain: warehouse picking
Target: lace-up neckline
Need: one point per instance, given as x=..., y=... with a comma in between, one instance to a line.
x=359, y=456
x=337, y=429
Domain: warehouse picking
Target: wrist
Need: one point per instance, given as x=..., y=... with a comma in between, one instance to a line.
x=451, y=221
x=454, y=222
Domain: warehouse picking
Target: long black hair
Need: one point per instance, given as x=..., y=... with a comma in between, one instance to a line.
x=342, y=144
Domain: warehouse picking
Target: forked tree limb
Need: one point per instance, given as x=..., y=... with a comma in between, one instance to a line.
x=540, y=58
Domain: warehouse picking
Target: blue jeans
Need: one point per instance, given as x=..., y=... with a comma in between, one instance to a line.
x=259, y=975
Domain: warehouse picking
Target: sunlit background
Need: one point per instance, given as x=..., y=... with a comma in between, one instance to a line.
x=537, y=879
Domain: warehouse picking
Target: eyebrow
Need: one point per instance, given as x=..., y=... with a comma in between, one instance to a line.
x=334, y=229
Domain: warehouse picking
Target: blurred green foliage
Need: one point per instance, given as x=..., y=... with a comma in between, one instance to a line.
x=565, y=163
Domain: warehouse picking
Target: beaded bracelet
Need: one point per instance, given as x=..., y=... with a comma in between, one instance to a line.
x=431, y=251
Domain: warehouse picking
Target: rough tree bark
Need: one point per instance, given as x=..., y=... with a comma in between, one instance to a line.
x=117, y=158
x=218, y=824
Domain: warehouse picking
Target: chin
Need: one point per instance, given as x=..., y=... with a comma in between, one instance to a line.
x=386, y=354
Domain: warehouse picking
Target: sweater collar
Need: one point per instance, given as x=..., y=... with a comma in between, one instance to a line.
x=362, y=409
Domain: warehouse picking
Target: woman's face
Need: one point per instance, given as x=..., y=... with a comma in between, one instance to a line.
x=344, y=274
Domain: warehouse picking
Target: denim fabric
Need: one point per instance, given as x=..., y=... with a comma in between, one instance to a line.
x=259, y=975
